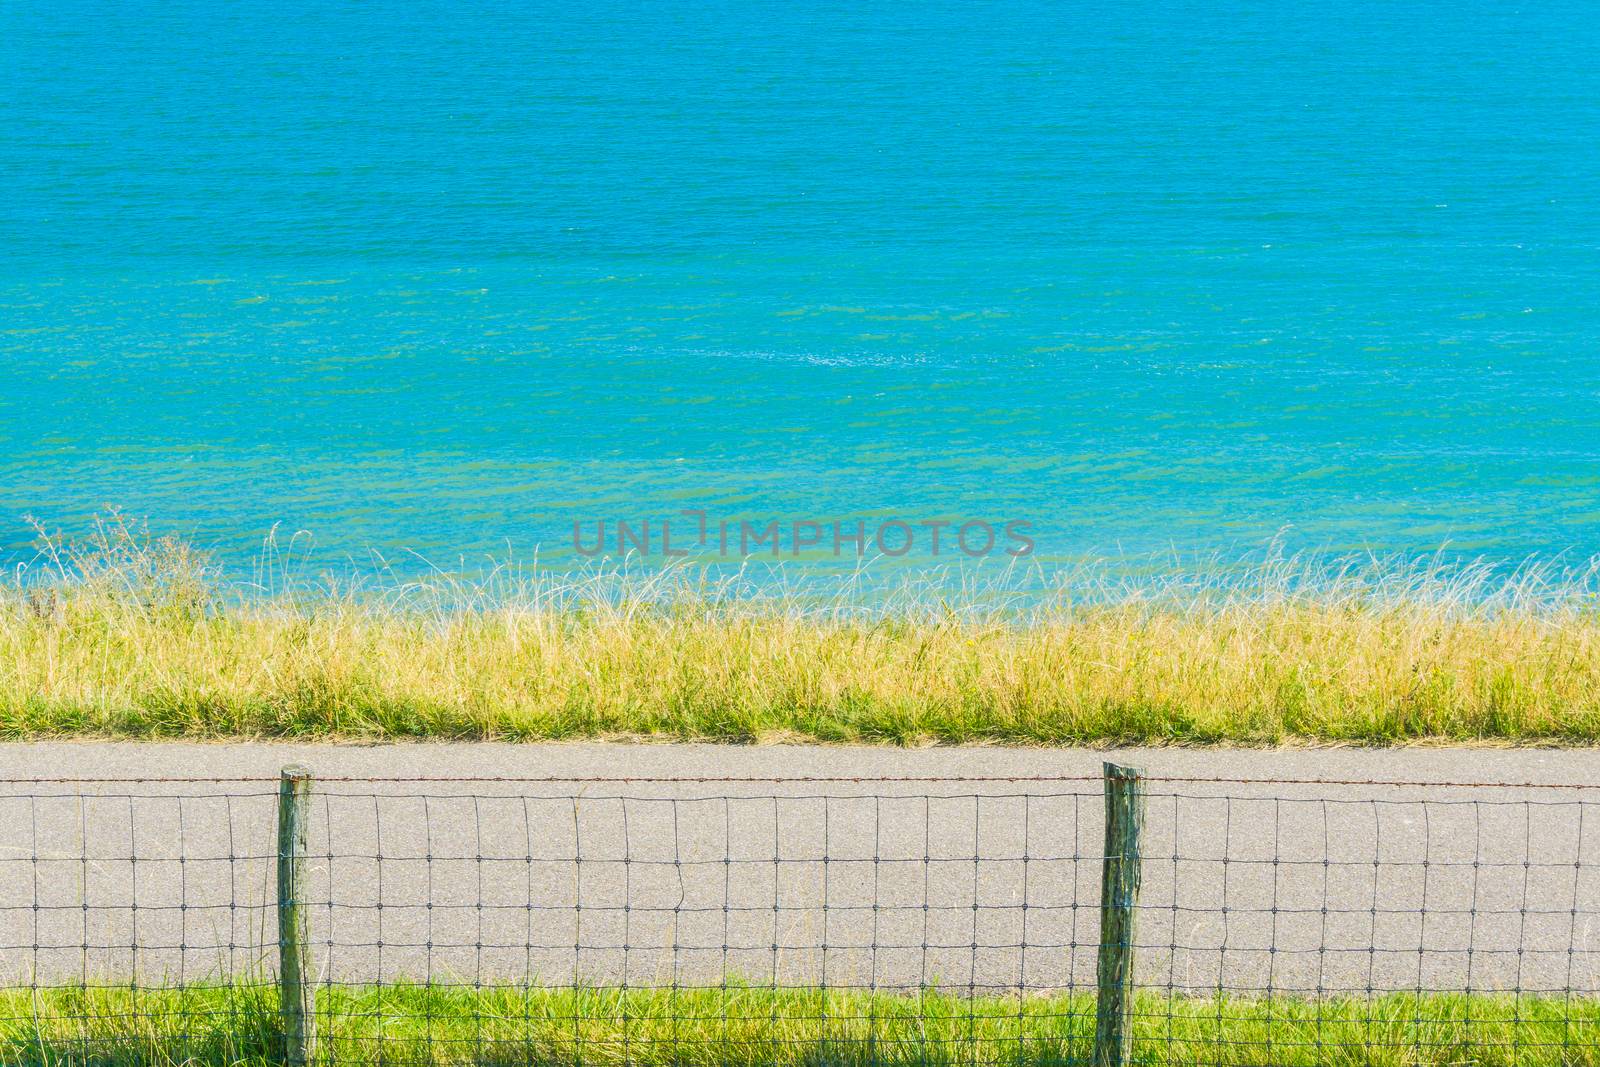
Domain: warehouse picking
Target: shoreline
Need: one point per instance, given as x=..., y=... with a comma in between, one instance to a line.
x=141, y=639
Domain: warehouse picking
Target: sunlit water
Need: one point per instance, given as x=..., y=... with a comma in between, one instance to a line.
x=444, y=279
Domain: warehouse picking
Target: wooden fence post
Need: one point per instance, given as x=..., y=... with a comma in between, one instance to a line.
x=296, y=993
x=1119, y=897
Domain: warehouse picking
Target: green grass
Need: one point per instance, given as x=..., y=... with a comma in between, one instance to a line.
x=752, y=1027
x=128, y=636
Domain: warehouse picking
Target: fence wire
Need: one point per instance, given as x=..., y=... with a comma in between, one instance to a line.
x=500, y=922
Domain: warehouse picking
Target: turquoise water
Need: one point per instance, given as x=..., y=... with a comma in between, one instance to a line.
x=445, y=278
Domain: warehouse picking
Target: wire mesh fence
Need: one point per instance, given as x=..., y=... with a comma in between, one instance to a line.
x=799, y=921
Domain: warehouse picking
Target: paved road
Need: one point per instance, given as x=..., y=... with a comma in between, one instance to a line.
x=983, y=885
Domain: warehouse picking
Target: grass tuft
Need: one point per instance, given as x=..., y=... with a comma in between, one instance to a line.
x=201, y=1026
x=125, y=635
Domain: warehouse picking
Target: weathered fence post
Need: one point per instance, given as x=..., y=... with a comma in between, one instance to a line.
x=296, y=994
x=1119, y=895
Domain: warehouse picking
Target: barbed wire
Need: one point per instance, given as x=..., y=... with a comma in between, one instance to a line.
x=726, y=779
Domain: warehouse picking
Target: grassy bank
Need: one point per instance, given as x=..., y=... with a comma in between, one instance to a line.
x=129, y=637
x=762, y=1028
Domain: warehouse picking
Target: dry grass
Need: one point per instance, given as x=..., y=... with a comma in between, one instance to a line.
x=125, y=635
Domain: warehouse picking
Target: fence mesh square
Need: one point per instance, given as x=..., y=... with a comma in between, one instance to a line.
x=798, y=922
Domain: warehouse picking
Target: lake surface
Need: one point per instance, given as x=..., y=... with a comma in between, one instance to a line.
x=444, y=278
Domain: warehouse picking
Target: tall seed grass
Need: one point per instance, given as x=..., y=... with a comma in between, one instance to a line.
x=125, y=635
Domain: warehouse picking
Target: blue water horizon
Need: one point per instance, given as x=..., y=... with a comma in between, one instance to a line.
x=437, y=282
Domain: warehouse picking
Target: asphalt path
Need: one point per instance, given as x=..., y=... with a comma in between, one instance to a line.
x=832, y=868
